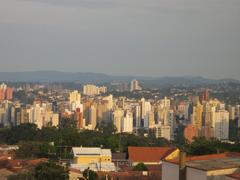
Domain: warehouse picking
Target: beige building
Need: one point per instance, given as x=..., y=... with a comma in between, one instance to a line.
x=90, y=90
x=135, y=86
x=96, y=159
x=222, y=125
x=93, y=116
x=42, y=115
x=197, y=117
x=127, y=122
x=118, y=116
x=209, y=167
x=162, y=132
x=74, y=100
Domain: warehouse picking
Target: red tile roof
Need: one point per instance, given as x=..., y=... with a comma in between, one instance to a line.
x=132, y=175
x=35, y=162
x=148, y=154
x=234, y=176
x=3, y=157
x=206, y=157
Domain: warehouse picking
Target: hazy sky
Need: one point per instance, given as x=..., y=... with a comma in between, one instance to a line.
x=122, y=37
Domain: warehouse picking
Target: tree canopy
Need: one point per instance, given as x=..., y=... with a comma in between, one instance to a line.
x=140, y=167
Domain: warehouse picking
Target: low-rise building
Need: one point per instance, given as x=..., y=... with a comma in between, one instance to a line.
x=150, y=155
x=235, y=176
x=214, y=167
x=96, y=159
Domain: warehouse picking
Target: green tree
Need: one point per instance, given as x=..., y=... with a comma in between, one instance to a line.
x=34, y=149
x=112, y=142
x=68, y=123
x=50, y=171
x=140, y=167
x=21, y=176
x=106, y=128
x=24, y=132
x=90, y=175
x=48, y=134
x=202, y=146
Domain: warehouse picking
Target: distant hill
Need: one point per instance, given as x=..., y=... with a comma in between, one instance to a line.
x=185, y=81
x=100, y=78
x=58, y=76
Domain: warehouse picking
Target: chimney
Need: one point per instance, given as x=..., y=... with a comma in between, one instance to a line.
x=182, y=166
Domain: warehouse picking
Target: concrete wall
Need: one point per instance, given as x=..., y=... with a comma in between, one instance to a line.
x=170, y=171
x=195, y=174
x=92, y=159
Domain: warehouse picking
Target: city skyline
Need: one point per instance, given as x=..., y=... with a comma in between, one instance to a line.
x=120, y=89
x=148, y=38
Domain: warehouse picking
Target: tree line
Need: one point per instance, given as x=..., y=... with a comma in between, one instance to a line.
x=57, y=142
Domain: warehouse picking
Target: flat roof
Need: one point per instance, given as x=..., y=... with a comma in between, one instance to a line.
x=234, y=176
x=215, y=164
x=227, y=160
x=88, y=151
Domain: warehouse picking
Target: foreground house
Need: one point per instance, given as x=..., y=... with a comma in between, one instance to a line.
x=96, y=159
x=208, y=167
x=235, y=176
x=151, y=155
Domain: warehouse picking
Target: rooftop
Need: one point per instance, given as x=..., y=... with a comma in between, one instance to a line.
x=148, y=154
x=212, y=162
x=119, y=156
x=215, y=164
x=88, y=151
x=234, y=176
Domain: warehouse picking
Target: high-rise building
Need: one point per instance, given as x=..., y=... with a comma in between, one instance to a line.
x=90, y=90
x=222, y=125
x=163, y=116
x=75, y=96
x=127, y=123
x=197, y=116
x=6, y=93
x=93, y=116
x=118, y=116
x=102, y=89
x=74, y=100
x=165, y=103
x=5, y=113
x=237, y=111
x=232, y=112
x=151, y=119
x=190, y=132
x=40, y=114
x=208, y=122
x=205, y=96
x=162, y=132
x=137, y=116
x=78, y=116
x=146, y=108
x=135, y=85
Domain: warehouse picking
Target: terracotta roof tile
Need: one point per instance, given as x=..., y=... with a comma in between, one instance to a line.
x=206, y=157
x=234, y=176
x=148, y=154
x=35, y=162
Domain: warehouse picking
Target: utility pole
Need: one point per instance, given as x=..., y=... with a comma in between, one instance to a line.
x=101, y=158
x=182, y=165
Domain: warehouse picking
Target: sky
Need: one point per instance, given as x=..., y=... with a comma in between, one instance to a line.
x=122, y=37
